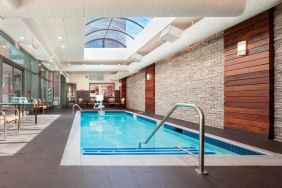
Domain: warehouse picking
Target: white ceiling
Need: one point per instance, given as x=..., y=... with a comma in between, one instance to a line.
x=40, y=22
x=119, y=8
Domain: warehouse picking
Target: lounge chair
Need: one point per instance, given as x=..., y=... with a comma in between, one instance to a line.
x=41, y=105
x=112, y=102
x=9, y=118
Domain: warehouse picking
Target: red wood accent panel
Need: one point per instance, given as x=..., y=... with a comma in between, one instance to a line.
x=247, y=93
x=254, y=63
x=150, y=89
x=248, y=84
x=242, y=26
x=122, y=88
x=248, y=111
x=247, y=99
x=251, y=45
x=261, y=74
x=252, y=81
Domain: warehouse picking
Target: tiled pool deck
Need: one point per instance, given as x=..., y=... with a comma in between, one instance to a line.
x=37, y=164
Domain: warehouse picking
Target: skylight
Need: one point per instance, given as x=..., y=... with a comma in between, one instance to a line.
x=113, y=32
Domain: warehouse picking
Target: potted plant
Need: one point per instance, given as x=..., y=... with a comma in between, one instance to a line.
x=18, y=92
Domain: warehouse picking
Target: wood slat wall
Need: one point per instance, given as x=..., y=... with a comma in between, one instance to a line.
x=248, y=84
x=150, y=89
x=122, y=88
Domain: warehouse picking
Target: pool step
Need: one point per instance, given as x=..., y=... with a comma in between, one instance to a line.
x=141, y=151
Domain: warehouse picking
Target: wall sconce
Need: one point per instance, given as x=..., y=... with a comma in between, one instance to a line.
x=242, y=48
x=148, y=76
x=120, y=84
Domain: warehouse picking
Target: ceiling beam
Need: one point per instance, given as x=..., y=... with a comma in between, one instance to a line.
x=33, y=28
x=96, y=68
x=13, y=4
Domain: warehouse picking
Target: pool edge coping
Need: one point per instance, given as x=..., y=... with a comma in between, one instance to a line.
x=75, y=157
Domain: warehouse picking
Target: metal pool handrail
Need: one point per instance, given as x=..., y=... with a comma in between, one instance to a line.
x=76, y=105
x=201, y=156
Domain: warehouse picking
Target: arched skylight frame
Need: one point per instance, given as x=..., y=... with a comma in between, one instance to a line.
x=113, y=32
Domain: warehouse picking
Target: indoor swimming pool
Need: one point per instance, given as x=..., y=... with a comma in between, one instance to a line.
x=119, y=133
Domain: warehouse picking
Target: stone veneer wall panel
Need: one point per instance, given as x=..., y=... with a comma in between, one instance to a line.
x=278, y=72
x=135, y=91
x=195, y=75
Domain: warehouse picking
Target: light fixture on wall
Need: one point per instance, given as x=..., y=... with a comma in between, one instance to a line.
x=120, y=84
x=242, y=48
x=148, y=76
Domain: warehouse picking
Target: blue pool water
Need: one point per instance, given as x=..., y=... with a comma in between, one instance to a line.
x=119, y=132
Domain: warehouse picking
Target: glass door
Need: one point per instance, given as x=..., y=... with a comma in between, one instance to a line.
x=7, y=87
x=18, y=75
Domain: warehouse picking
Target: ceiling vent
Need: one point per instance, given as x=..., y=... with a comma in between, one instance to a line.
x=136, y=57
x=96, y=77
x=170, y=33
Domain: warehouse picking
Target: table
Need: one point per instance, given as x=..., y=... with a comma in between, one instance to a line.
x=20, y=105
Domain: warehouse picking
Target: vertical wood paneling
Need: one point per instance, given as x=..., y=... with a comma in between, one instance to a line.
x=248, y=85
x=150, y=89
x=122, y=88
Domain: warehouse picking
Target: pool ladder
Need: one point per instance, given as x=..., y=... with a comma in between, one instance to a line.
x=201, y=156
x=76, y=105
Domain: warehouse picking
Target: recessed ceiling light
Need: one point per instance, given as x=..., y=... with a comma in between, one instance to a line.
x=118, y=64
x=21, y=38
x=4, y=46
x=30, y=46
x=60, y=37
x=63, y=46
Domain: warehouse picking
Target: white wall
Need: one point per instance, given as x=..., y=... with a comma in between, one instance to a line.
x=82, y=82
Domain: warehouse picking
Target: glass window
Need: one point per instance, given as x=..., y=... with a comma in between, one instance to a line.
x=95, y=44
x=117, y=32
x=11, y=52
x=16, y=56
x=17, y=82
x=34, y=65
x=44, y=89
x=56, y=88
x=4, y=47
x=7, y=87
x=50, y=91
x=113, y=44
x=43, y=72
x=71, y=92
x=34, y=86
